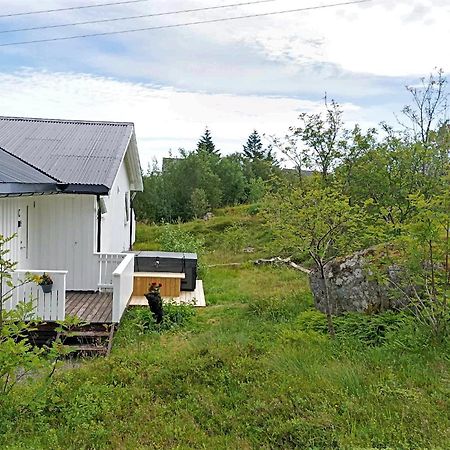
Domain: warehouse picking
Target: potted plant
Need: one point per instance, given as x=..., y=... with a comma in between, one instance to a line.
x=46, y=283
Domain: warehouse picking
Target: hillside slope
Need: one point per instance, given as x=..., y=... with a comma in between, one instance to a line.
x=252, y=370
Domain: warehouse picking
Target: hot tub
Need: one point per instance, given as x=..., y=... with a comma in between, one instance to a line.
x=169, y=262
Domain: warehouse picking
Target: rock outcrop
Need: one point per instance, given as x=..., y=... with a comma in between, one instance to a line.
x=352, y=286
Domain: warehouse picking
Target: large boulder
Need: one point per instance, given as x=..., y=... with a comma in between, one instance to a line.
x=352, y=286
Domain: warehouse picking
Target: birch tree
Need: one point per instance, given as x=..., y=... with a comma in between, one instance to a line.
x=319, y=222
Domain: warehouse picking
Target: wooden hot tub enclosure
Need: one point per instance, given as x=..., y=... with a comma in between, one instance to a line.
x=159, y=263
x=170, y=283
x=176, y=272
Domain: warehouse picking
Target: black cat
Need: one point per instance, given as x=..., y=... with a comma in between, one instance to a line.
x=155, y=301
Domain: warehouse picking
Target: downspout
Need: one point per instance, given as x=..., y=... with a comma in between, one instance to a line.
x=131, y=219
x=99, y=225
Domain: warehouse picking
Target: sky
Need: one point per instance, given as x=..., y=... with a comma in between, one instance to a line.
x=232, y=76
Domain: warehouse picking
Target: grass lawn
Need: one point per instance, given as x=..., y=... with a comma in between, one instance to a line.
x=241, y=374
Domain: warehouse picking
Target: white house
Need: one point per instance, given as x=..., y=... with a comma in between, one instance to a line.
x=66, y=192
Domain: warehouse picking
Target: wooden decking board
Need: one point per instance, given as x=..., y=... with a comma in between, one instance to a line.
x=88, y=304
x=94, y=312
x=84, y=302
x=75, y=301
x=97, y=312
x=104, y=313
x=186, y=297
x=92, y=307
x=70, y=304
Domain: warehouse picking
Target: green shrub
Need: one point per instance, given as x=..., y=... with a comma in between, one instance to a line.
x=415, y=337
x=312, y=320
x=174, y=239
x=368, y=329
x=199, y=202
x=257, y=190
x=235, y=238
x=175, y=316
x=254, y=209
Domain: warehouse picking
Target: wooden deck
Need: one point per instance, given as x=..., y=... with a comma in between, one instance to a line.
x=92, y=307
x=195, y=298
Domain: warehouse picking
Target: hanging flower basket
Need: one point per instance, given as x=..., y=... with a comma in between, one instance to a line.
x=46, y=283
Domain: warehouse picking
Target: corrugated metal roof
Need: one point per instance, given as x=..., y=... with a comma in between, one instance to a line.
x=19, y=178
x=72, y=151
x=13, y=170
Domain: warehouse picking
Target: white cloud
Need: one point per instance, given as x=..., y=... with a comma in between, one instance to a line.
x=351, y=52
x=165, y=118
x=381, y=37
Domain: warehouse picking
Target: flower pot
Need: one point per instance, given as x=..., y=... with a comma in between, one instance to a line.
x=47, y=288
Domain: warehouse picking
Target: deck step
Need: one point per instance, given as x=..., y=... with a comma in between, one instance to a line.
x=86, y=333
x=88, y=340
x=87, y=348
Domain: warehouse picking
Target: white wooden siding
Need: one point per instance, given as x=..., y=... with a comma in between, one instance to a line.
x=62, y=238
x=115, y=227
x=59, y=232
x=9, y=219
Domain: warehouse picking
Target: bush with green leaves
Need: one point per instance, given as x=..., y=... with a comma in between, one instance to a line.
x=235, y=238
x=175, y=316
x=254, y=209
x=425, y=243
x=320, y=221
x=175, y=239
x=199, y=203
x=257, y=188
x=19, y=358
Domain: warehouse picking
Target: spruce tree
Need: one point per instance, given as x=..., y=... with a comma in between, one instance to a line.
x=206, y=143
x=253, y=149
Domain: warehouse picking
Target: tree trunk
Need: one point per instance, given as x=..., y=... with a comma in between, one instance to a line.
x=433, y=281
x=447, y=268
x=331, y=329
x=300, y=174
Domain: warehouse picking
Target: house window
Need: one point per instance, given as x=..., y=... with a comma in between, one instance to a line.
x=127, y=207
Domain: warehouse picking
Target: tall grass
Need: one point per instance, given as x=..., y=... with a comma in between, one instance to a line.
x=253, y=370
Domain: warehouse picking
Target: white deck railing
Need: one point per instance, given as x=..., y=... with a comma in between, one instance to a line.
x=49, y=306
x=123, y=279
x=108, y=263
x=115, y=274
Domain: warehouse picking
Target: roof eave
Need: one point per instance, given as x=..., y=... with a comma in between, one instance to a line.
x=17, y=189
x=9, y=189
